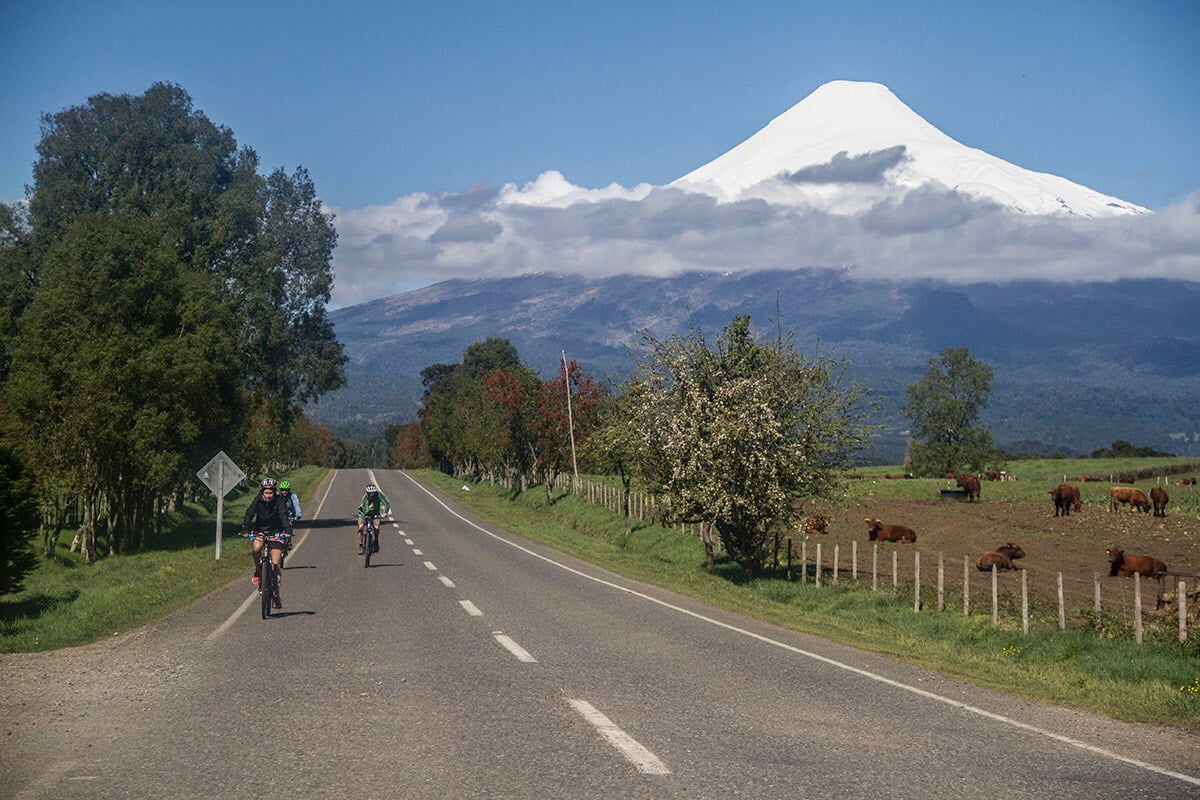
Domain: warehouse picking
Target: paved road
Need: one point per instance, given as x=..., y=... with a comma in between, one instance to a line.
x=468, y=663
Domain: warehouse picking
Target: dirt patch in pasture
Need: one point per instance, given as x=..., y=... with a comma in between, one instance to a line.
x=954, y=529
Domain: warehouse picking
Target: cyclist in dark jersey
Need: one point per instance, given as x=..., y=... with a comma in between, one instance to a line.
x=374, y=504
x=267, y=514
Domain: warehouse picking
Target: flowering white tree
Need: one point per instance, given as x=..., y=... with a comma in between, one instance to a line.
x=737, y=436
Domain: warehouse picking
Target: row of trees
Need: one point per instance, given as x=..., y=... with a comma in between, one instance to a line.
x=734, y=435
x=161, y=300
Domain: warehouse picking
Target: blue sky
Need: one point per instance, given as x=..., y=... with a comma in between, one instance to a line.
x=380, y=101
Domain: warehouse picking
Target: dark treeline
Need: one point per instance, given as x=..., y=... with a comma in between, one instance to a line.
x=160, y=300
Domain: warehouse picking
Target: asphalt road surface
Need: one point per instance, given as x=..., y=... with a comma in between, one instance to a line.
x=466, y=662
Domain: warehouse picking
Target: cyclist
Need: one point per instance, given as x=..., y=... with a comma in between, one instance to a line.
x=374, y=504
x=290, y=500
x=267, y=515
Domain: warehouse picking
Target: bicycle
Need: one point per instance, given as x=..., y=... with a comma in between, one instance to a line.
x=370, y=535
x=268, y=580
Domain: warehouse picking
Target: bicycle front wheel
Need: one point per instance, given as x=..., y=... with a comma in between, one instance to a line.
x=369, y=545
x=266, y=584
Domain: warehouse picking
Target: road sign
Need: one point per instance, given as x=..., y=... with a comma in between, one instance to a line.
x=220, y=475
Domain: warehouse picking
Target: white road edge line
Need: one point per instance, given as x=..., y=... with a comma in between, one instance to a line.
x=228, y=623
x=470, y=608
x=1058, y=737
x=508, y=644
x=629, y=747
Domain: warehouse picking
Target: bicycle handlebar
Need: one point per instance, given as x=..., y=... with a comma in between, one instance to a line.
x=278, y=537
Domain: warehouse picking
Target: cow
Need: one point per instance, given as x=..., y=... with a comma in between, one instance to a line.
x=970, y=484
x=1091, y=479
x=1124, y=565
x=1158, y=496
x=994, y=475
x=877, y=531
x=1000, y=558
x=1065, y=496
x=1134, y=498
x=817, y=523
x=1187, y=481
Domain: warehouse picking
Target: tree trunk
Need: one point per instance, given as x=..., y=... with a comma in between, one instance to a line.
x=625, y=507
x=706, y=537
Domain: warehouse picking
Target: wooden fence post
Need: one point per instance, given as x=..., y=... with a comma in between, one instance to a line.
x=916, y=581
x=1137, y=607
x=854, y=560
x=1096, y=581
x=966, y=586
x=1025, y=602
x=804, y=561
x=941, y=582
x=836, y=556
x=995, y=597
x=875, y=569
x=789, y=558
x=1181, y=598
x=1062, y=605
x=818, y=565
x=895, y=572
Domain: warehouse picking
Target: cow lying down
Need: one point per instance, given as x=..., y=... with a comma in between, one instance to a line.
x=1000, y=558
x=877, y=531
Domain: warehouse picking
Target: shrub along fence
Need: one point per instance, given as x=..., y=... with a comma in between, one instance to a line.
x=1173, y=601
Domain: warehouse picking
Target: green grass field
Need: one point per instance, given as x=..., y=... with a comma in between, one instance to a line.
x=66, y=602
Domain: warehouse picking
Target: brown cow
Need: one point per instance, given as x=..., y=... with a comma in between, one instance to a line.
x=1187, y=481
x=877, y=531
x=1065, y=496
x=1134, y=498
x=817, y=523
x=994, y=475
x=1123, y=565
x=1091, y=479
x=970, y=484
x=1158, y=496
x=1001, y=558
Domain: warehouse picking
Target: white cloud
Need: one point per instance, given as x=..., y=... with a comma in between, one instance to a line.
x=552, y=225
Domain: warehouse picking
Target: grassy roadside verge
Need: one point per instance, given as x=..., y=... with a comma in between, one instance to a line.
x=1158, y=682
x=65, y=602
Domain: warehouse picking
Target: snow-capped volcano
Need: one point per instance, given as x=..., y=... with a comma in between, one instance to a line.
x=851, y=145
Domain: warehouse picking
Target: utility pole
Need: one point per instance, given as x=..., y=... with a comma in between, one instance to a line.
x=570, y=422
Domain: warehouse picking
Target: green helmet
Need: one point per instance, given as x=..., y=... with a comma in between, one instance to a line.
x=285, y=485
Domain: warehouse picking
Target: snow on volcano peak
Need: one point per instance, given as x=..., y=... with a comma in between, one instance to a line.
x=851, y=145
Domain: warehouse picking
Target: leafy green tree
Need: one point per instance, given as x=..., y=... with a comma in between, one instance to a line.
x=739, y=434
x=944, y=406
x=171, y=302
x=18, y=507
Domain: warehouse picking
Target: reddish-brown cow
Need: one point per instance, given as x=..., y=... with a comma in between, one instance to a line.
x=1001, y=558
x=1187, y=481
x=1134, y=498
x=970, y=484
x=817, y=523
x=1159, y=497
x=877, y=531
x=1124, y=565
x=1065, y=496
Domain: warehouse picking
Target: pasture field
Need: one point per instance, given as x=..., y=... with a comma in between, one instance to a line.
x=1022, y=512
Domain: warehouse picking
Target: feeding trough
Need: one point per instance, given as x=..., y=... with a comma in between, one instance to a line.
x=953, y=494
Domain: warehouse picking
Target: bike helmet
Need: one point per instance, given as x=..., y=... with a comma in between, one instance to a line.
x=285, y=485
x=372, y=488
x=266, y=483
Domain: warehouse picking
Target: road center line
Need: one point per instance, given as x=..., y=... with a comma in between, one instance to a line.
x=417, y=552
x=508, y=644
x=1058, y=737
x=629, y=747
x=429, y=566
x=470, y=608
x=449, y=583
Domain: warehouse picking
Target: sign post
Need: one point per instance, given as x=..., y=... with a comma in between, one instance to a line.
x=220, y=475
